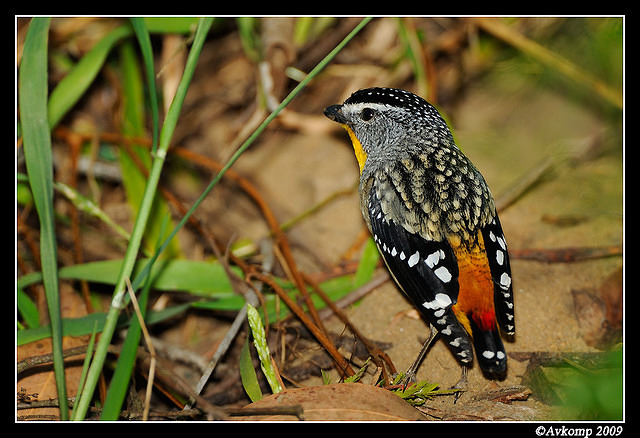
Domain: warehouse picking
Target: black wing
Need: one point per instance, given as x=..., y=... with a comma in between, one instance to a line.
x=426, y=271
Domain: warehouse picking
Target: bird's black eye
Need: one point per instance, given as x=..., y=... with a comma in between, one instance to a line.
x=366, y=114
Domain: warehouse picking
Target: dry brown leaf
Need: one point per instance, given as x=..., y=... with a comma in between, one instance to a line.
x=339, y=402
x=590, y=314
x=611, y=294
x=41, y=380
x=599, y=312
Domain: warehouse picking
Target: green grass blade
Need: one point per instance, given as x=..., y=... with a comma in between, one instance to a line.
x=122, y=375
x=133, y=126
x=248, y=374
x=89, y=207
x=72, y=87
x=141, y=220
x=260, y=343
x=166, y=133
x=197, y=277
x=32, y=92
x=86, y=362
x=140, y=28
x=413, y=50
x=83, y=325
x=181, y=25
x=79, y=201
x=27, y=309
x=368, y=263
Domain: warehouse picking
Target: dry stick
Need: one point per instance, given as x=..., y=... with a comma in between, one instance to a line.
x=152, y=351
x=280, y=238
x=566, y=255
x=360, y=292
x=537, y=175
x=525, y=183
x=581, y=152
x=285, y=249
x=293, y=410
x=76, y=143
x=317, y=207
x=251, y=298
x=176, y=383
x=129, y=415
x=35, y=361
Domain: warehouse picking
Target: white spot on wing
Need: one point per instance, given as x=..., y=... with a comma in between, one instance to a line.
x=440, y=301
x=443, y=274
x=432, y=259
x=413, y=260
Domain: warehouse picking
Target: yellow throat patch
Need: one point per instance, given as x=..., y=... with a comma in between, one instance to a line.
x=361, y=156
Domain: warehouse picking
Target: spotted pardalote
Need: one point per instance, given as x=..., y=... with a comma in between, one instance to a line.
x=433, y=220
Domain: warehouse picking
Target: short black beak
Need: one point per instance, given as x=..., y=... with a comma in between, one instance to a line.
x=334, y=113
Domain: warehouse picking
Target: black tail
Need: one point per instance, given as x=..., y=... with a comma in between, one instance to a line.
x=490, y=352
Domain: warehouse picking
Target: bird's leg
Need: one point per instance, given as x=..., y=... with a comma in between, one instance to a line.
x=410, y=375
x=461, y=386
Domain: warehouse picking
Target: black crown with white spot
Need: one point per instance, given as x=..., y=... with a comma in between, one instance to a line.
x=421, y=114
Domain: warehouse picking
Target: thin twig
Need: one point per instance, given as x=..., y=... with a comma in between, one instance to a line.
x=525, y=183
x=125, y=414
x=152, y=351
x=568, y=153
x=35, y=361
x=565, y=255
x=238, y=322
x=293, y=410
x=177, y=384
